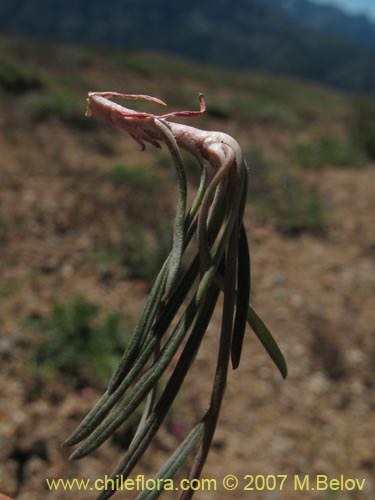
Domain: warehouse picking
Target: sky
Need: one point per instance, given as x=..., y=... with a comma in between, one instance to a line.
x=353, y=6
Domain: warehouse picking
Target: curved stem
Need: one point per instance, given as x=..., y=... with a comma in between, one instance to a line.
x=204, y=251
x=179, y=228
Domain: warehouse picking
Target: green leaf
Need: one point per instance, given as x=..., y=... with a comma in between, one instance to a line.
x=243, y=296
x=267, y=340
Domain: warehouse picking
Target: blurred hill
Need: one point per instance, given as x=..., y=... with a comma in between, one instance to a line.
x=296, y=38
x=328, y=19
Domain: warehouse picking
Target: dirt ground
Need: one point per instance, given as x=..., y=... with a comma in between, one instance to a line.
x=314, y=293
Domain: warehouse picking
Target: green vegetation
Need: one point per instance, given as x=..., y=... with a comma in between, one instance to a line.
x=79, y=342
x=4, y=229
x=285, y=198
x=41, y=95
x=327, y=151
x=143, y=252
x=144, y=241
x=363, y=125
x=58, y=104
x=10, y=288
x=270, y=110
x=135, y=176
x=18, y=78
x=298, y=208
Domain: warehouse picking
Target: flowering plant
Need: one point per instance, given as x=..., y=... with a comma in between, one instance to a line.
x=221, y=265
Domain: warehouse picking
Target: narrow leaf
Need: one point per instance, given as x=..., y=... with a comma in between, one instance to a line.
x=267, y=340
x=243, y=298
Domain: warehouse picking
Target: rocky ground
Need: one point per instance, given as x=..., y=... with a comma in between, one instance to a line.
x=314, y=292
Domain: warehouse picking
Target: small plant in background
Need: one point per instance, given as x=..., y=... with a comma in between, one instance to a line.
x=186, y=288
x=135, y=176
x=327, y=151
x=79, y=342
x=143, y=254
x=4, y=229
x=144, y=240
x=287, y=200
x=18, y=78
x=298, y=208
x=140, y=249
x=363, y=125
x=54, y=104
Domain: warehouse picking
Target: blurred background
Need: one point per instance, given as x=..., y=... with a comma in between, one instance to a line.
x=85, y=222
